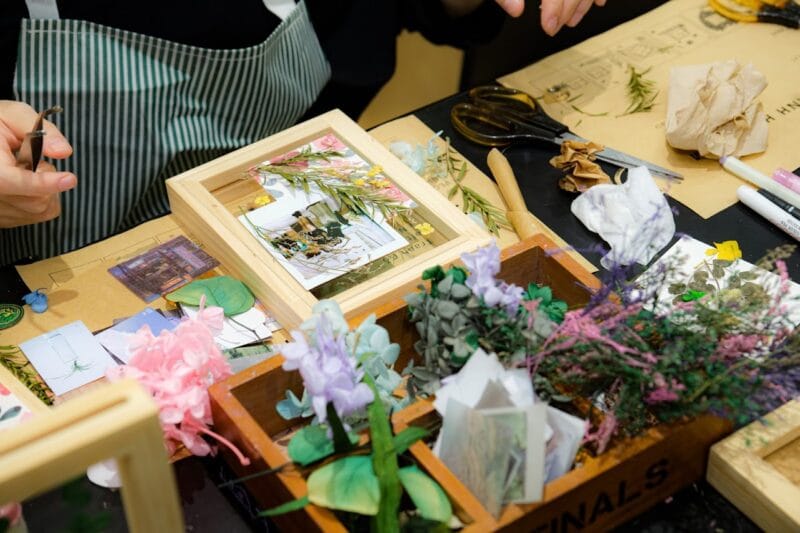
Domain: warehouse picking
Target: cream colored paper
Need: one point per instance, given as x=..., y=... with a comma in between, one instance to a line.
x=591, y=77
x=413, y=130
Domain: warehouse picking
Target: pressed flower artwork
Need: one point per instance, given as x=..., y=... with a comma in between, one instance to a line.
x=331, y=212
x=12, y=412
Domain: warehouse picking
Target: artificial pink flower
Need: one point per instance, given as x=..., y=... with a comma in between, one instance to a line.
x=11, y=512
x=177, y=367
x=329, y=142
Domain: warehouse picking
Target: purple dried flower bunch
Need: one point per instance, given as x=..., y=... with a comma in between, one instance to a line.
x=729, y=351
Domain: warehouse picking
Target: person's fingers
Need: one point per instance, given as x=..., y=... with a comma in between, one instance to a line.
x=512, y=7
x=29, y=205
x=11, y=216
x=600, y=3
x=579, y=13
x=15, y=181
x=551, y=16
x=18, y=118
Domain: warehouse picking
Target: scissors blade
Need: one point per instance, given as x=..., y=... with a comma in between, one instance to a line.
x=621, y=159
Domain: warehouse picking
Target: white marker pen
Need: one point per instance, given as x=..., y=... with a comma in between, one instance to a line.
x=749, y=174
x=770, y=211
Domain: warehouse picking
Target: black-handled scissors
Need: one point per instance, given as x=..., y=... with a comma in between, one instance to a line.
x=499, y=116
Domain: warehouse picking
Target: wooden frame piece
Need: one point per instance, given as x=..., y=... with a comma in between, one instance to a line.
x=205, y=217
x=118, y=420
x=758, y=469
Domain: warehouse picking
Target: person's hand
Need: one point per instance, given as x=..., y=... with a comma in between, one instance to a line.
x=29, y=197
x=554, y=13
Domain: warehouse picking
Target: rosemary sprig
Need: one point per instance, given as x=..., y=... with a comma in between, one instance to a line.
x=471, y=200
x=343, y=191
x=641, y=92
x=23, y=371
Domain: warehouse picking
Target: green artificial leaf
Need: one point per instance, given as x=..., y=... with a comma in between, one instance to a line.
x=11, y=413
x=310, y=444
x=431, y=501
x=691, y=296
x=447, y=309
x=221, y=291
x=538, y=292
x=287, y=507
x=349, y=484
x=458, y=274
x=384, y=462
x=403, y=440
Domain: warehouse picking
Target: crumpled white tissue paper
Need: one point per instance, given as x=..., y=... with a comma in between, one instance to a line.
x=634, y=218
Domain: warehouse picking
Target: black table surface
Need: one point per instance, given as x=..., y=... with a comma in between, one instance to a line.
x=209, y=508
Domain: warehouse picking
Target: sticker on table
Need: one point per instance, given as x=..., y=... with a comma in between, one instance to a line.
x=68, y=357
x=12, y=411
x=163, y=268
x=10, y=314
x=117, y=338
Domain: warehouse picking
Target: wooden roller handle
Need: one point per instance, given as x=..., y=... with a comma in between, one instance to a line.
x=519, y=217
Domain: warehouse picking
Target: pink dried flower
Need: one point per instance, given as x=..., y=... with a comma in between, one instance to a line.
x=177, y=367
x=607, y=428
x=11, y=512
x=329, y=142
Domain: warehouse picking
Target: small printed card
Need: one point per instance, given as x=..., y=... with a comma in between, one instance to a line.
x=164, y=268
x=68, y=357
x=116, y=338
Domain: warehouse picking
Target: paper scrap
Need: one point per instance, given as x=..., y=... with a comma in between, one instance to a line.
x=578, y=162
x=714, y=109
x=67, y=357
x=116, y=338
x=251, y=326
x=634, y=218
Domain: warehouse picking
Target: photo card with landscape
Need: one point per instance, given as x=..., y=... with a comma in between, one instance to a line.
x=326, y=211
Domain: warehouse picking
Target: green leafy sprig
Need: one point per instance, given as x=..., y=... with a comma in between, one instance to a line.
x=641, y=92
x=357, y=199
x=471, y=200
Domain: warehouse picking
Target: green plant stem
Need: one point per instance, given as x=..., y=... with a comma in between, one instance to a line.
x=384, y=462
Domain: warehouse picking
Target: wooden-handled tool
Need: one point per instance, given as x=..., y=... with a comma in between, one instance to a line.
x=521, y=219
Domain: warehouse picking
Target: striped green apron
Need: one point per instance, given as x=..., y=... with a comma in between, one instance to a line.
x=139, y=109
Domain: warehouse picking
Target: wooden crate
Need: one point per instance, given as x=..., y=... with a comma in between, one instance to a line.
x=758, y=469
x=605, y=491
x=206, y=199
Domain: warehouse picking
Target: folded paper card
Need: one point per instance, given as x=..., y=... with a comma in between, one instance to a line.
x=68, y=357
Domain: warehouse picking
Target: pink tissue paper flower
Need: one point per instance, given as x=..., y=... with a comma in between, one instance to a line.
x=177, y=367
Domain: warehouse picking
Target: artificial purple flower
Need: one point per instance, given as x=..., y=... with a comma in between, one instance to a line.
x=329, y=372
x=483, y=265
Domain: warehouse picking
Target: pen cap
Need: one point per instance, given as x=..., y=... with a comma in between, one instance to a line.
x=787, y=179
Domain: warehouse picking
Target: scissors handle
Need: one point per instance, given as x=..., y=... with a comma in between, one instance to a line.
x=518, y=104
x=484, y=125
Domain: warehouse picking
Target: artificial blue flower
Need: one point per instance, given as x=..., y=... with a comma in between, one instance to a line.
x=483, y=266
x=37, y=300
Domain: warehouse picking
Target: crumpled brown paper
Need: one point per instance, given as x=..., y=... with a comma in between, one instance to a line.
x=577, y=161
x=712, y=109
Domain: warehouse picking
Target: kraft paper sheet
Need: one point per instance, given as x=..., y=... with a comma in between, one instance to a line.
x=591, y=78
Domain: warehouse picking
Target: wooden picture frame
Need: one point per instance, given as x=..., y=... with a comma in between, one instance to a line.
x=119, y=421
x=758, y=469
x=204, y=199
